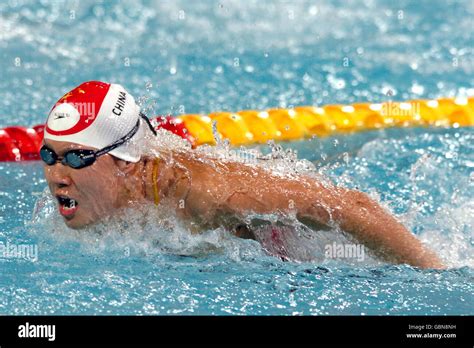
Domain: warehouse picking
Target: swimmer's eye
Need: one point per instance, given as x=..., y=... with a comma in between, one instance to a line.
x=74, y=158
x=48, y=156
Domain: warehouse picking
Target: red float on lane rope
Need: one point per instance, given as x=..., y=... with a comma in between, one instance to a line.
x=23, y=144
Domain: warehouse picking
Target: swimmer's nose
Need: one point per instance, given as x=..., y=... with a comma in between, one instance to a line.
x=60, y=177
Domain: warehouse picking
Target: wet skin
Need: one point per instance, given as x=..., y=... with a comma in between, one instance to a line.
x=207, y=193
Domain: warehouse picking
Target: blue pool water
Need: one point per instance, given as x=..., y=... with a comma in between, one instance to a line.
x=231, y=55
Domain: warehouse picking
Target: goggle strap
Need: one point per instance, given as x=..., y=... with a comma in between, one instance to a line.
x=148, y=122
x=119, y=142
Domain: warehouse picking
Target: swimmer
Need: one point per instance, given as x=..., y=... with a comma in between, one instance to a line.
x=94, y=168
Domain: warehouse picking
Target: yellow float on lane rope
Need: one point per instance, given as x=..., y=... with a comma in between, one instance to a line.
x=251, y=126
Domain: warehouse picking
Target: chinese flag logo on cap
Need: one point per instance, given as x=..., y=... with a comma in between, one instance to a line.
x=77, y=109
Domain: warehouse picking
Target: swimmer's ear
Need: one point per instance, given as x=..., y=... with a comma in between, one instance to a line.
x=125, y=166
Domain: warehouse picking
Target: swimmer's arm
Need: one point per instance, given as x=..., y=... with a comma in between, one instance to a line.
x=243, y=190
x=373, y=226
x=352, y=210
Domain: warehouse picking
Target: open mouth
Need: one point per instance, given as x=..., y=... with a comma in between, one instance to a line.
x=67, y=206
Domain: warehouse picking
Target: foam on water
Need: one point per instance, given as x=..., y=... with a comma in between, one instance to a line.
x=143, y=230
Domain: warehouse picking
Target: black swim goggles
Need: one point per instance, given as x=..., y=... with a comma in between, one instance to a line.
x=81, y=158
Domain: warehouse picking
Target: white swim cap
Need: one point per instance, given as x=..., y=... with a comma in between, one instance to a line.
x=97, y=114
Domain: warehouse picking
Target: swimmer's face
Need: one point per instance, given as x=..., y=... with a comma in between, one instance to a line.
x=83, y=195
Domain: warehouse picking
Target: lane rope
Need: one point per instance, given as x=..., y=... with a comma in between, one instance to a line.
x=249, y=127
